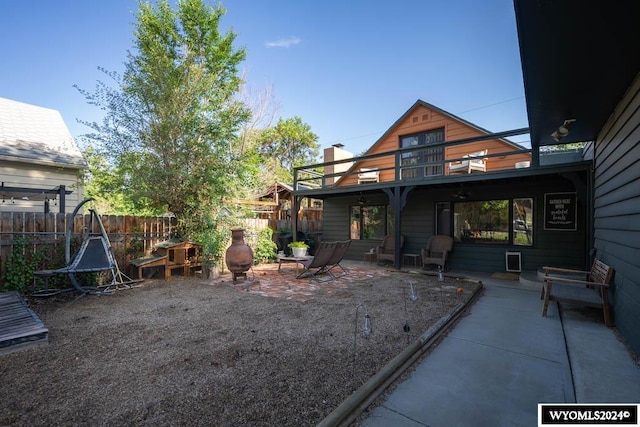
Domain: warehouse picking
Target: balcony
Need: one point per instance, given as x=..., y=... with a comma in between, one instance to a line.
x=418, y=165
x=450, y=161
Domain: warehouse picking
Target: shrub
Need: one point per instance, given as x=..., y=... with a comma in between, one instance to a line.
x=22, y=262
x=266, y=248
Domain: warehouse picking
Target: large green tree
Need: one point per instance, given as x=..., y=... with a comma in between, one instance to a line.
x=171, y=121
x=288, y=144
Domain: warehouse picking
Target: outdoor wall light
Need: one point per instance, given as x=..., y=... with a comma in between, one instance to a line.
x=563, y=130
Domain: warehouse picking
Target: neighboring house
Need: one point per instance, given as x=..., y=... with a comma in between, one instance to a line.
x=275, y=203
x=40, y=163
x=279, y=203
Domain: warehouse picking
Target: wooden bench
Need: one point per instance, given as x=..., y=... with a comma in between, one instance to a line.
x=567, y=285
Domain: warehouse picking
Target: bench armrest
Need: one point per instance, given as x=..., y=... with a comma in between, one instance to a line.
x=564, y=270
x=573, y=282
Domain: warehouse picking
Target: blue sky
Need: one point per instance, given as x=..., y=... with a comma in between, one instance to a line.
x=349, y=69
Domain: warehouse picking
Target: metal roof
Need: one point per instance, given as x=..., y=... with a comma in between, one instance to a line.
x=33, y=134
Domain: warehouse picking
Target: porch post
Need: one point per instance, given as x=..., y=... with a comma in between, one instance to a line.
x=294, y=218
x=535, y=154
x=397, y=209
x=62, y=193
x=397, y=199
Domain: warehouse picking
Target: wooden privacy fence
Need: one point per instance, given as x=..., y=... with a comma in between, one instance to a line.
x=257, y=224
x=254, y=225
x=307, y=227
x=130, y=236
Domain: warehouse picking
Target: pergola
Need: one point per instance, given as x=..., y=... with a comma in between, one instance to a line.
x=35, y=194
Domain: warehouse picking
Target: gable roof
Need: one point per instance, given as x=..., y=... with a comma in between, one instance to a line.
x=422, y=103
x=33, y=134
x=281, y=187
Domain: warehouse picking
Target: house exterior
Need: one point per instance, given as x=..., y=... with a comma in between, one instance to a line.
x=510, y=206
x=582, y=83
x=40, y=163
x=422, y=126
x=595, y=80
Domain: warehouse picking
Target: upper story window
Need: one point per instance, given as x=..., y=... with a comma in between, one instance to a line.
x=425, y=161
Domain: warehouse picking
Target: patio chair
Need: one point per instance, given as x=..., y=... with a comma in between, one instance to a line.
x=368, y=175
x=386, y=250
x=437, y=251
x=477, y=163
x=336, y=258
x=318, y=264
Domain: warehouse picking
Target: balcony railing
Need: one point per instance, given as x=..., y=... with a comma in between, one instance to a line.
x=413, y=164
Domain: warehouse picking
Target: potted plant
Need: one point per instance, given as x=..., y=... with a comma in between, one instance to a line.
x=299, y=248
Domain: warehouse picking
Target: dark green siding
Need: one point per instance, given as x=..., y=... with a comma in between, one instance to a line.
x=617, y=210
x=558, y=248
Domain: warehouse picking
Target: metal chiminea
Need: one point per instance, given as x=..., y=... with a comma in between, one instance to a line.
x=239, y=256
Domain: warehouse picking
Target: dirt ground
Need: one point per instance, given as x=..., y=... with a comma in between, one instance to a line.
x=190, y=351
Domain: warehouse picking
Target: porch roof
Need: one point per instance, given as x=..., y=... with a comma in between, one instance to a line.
x=578, y=58
x=452, y=181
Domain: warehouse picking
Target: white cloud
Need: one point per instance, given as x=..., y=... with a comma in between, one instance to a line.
x=288, y=42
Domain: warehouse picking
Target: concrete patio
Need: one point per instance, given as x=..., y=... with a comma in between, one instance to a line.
x=504, y=358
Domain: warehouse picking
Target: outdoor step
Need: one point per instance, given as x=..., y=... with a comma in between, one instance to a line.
x=531, y=278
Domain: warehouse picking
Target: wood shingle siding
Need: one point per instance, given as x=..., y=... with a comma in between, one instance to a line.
x=617, y=209
x=421, y=118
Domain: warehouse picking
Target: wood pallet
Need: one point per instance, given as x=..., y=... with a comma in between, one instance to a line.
x=20, y=327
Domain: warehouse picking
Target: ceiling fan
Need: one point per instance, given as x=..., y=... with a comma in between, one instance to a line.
x=461, y=194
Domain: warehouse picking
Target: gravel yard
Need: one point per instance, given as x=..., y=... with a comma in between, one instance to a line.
x=189, y=351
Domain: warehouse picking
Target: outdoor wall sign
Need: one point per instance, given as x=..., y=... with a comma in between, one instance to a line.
x=560, y=211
